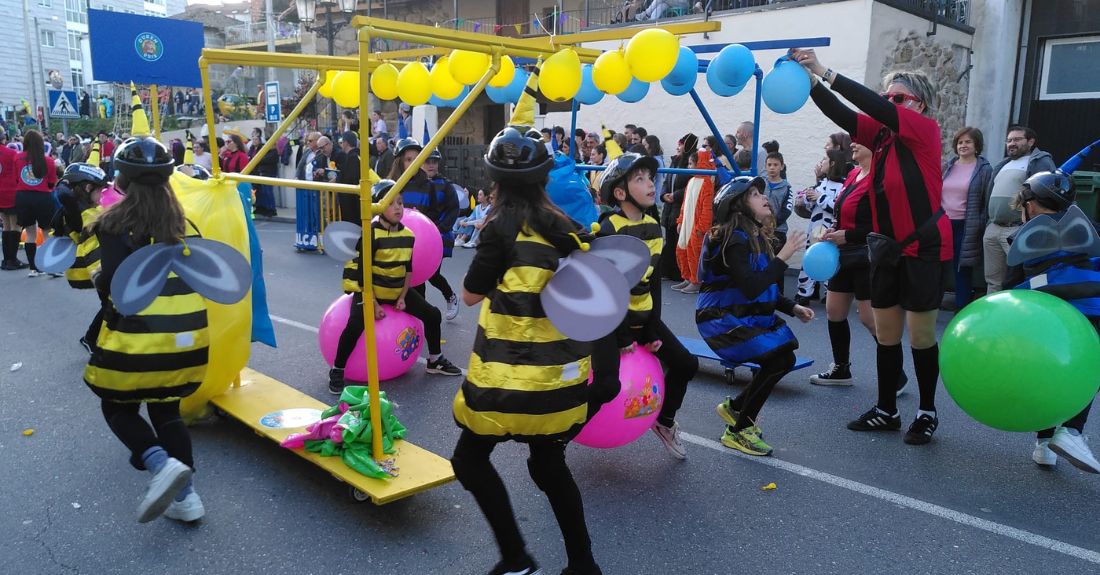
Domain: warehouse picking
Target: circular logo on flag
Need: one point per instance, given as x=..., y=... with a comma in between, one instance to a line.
x=148, y=46
x=27, y=175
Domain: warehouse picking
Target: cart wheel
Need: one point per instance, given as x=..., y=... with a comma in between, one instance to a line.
x=731, y=376
x=358, y=495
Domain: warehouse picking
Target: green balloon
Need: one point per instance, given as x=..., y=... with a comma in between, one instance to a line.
x=1020, y=360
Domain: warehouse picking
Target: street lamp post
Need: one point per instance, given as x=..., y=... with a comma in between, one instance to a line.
x=307, y=14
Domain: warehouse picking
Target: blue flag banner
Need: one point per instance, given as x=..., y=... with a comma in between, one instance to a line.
x=144, y=49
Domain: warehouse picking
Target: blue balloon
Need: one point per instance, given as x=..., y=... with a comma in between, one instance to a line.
x=686, y=68
x=436, y=101
x=718, y=86
x=822, y=260
x=454, y=102
x=634, y=92
x=588, y=94
x=515, y=89
x=498, y=95
x=786, y=87
x=735, y=65
x=677, y=89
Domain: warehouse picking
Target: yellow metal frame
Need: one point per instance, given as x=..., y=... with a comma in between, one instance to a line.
x=438, y=41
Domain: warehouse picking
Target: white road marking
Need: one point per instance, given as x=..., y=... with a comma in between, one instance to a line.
x=905, y=501
x=869, y=490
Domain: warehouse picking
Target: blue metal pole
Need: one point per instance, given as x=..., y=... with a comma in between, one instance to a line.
x=756, y=120
x=572, y=129
x=714, y=129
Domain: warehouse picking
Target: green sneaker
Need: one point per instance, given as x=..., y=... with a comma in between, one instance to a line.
x=730, y=416
x=746, y=442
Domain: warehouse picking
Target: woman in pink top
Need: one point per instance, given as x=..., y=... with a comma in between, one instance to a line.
x=964, y=180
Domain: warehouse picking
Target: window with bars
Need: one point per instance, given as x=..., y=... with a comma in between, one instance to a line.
x=46, y=38
x=76, y=11
x=74, y=46
x=77, y=77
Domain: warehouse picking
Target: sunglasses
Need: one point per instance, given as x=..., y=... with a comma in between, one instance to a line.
x=899, y=98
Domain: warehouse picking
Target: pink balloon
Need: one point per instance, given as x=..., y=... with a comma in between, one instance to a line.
x=109, y=195
x=635, y=409
x=398, y=336
x=428, y=248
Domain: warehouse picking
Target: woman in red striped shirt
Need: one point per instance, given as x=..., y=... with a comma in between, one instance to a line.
x=911, y=248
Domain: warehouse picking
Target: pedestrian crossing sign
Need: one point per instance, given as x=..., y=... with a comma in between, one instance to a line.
x=63, y=104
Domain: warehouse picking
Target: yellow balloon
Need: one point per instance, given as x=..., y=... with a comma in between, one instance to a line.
x=560, y=77
x=505, y=75
x=326, y=87
x=414, y=85
x=610, y=73
x=383, y=82
x=345, y=89
x=467, y=67
x=443, y=85
x=652, y=53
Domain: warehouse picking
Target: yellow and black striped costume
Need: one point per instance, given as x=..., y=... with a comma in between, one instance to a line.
x=391, y=261
x=157, y=355
x=87, y=252
x=649, y=231
x=525, y=381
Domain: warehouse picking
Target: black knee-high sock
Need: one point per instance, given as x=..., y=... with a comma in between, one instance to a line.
x=926, y=363
x=11, y=245
x=889, y=369
x=30, y=249
x=840, y=336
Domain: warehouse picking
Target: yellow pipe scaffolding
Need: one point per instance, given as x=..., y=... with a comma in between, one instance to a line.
x=284, y=125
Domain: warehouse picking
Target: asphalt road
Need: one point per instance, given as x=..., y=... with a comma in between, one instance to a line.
x=971, y=502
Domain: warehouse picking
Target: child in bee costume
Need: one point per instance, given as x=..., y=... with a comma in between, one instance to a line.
x=391, y=266
x=1057, y=251
x=526, y=381
x=153, y=346
x=78, y=191
x=627, y=185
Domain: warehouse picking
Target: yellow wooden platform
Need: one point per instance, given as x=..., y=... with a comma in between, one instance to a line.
x=260, y=397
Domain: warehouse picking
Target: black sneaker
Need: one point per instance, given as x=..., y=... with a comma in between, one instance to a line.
x=11, y=265
x=903, y=382
x=920, y=432
x=876, y=420
x=802, y=301
x=527, y=567
x=443, y=367
x=335, y=381
x=838, y=374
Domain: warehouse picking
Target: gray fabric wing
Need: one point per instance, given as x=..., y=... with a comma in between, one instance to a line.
x=340, y=239
x=628, y=254
x=587, y=297
x=215, y=270
x=1044, y=235
x=140, y=278
x=56, y=255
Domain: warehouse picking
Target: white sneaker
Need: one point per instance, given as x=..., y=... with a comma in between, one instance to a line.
x=163, y=487
x=1069, y=443
x=670, y=436
x=190, y=509
x=452, y=307
x=1042, y=455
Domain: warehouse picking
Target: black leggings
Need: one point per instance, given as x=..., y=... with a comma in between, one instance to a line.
x=751, y=399
x=551, y=474
x=440, y=284
x=1077, y=423
x=679, y=365
x=414, y=306
x=168, y=430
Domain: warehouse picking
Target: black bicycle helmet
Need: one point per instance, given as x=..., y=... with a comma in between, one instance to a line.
x=435, y=155
x=617, y=171
x=514, y=156
x=1054, y=189
x=406, y=144
x=145, y=160
x=735, y=188
x=80, y=172
x=379, y=190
